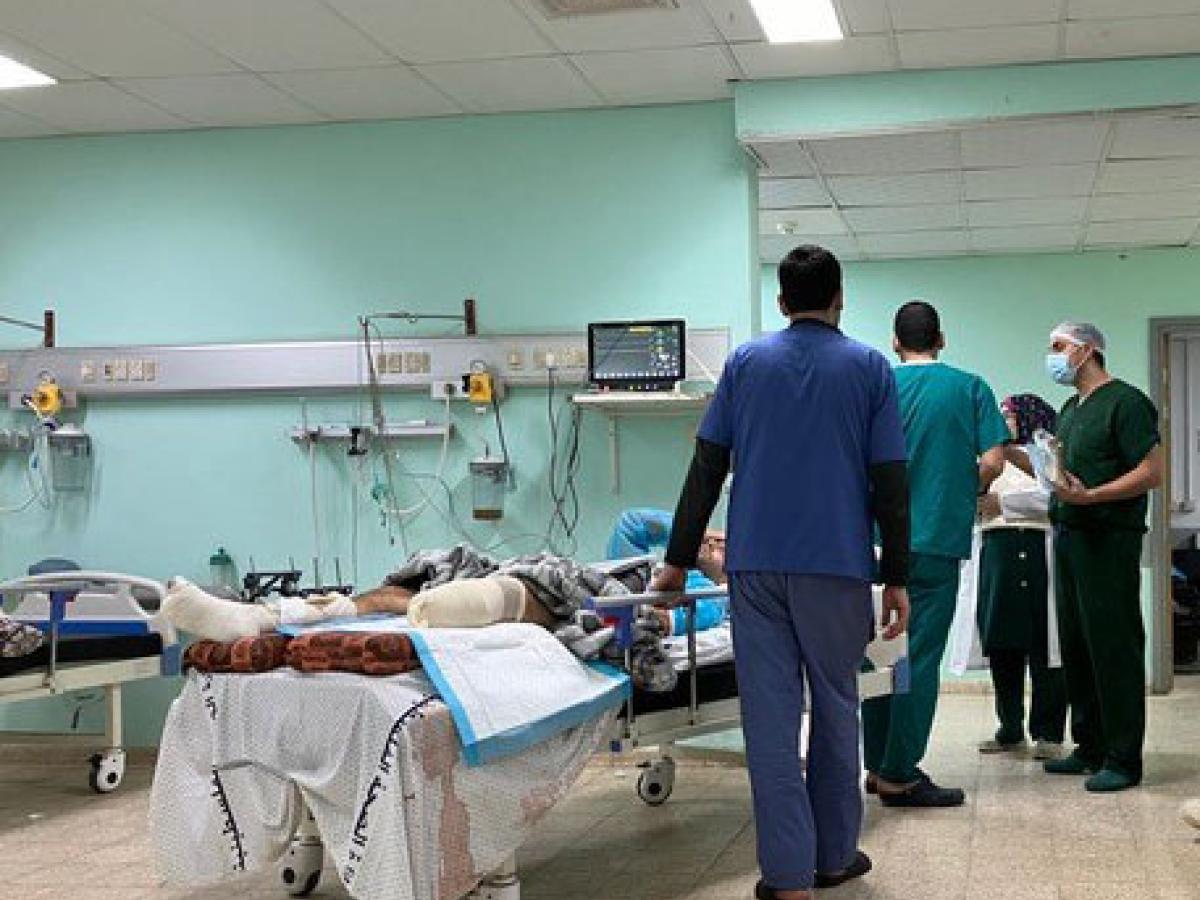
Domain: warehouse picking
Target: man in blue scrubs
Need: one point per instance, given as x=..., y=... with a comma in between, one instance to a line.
x=812, y=424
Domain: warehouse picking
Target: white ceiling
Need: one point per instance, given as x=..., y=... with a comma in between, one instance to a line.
x=162, y=64
x=1067, y=184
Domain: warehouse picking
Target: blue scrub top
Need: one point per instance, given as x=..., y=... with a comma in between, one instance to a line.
x=806, y=412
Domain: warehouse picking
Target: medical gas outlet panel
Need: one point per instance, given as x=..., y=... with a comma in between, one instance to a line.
x=310, y=366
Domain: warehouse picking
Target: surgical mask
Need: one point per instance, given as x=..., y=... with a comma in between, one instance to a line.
x=1058, y=365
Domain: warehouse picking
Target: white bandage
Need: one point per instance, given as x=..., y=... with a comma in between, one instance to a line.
x=471, y=603
x=317, y=608
x=210, y=618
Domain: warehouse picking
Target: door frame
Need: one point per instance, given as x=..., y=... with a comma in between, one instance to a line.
x=1162, y=620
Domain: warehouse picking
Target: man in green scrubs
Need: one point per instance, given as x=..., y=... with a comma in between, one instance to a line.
x=1111, y=458
x=955, y=437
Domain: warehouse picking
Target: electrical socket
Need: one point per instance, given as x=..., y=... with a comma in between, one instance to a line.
x=442, y=388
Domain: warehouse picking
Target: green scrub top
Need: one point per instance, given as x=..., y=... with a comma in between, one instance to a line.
x=951, y=418
x=1103, y=438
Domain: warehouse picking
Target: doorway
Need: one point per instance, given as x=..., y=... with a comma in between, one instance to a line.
x=1175, y=535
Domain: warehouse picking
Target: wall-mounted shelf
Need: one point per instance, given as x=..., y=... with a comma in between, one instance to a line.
x=396, y=431
x=617, y=405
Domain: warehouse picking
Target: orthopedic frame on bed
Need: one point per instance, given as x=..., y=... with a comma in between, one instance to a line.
x=48, y=602
x=888, y=674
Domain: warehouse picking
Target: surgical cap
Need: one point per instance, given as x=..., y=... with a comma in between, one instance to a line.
x=1081, y=333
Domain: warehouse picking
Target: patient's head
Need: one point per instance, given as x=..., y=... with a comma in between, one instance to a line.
x=711, y=560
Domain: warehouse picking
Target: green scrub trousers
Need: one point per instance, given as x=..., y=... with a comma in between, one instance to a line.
x=896, y=729
x=1103, y=645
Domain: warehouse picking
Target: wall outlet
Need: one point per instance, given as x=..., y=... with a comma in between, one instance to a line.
x=416, y=363
x=442, y=388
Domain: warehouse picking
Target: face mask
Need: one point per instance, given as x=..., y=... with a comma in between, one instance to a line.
x=1058, y=365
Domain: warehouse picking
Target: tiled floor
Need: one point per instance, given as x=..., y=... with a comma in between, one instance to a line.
x=1022, y=836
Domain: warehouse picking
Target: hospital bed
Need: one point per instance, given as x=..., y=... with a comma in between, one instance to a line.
x=705, y=701
x=290, y=770
x=101, y=633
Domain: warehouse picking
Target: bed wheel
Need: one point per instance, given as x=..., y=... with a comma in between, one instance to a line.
x=300, y=868
x=657, y=781
x=108, y=770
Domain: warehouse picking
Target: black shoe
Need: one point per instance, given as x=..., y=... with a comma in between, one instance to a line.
x=857, y=869
x=870, y=785
x=762, y=892
x=924, y=795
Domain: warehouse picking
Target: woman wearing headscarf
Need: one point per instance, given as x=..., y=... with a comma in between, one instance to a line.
x=1018, y=628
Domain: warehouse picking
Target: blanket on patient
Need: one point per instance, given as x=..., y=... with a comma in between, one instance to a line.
x=363, y=654
x=560, y=584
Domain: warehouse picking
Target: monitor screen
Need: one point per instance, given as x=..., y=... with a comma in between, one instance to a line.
x=630, y=353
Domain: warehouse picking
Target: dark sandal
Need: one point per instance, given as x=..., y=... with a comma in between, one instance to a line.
x=924, y=795
x=857, y=869
x=762, y=892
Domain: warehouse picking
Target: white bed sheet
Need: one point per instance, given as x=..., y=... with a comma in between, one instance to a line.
x=376, y=760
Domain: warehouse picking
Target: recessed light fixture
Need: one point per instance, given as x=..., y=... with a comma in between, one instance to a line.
x=794, y=21
x=15, y=75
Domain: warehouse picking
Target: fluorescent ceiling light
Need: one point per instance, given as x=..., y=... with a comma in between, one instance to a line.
x=793, y=21
x=15, y=75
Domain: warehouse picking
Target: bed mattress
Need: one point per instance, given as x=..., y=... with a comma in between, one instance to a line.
x=86, y=649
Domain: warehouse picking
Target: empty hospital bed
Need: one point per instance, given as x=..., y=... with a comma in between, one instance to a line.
x=101, y=632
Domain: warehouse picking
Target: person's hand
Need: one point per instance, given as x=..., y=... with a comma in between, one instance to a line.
x=989, y=506
x=894, y=620
x=669, y=579
x=1072, y=491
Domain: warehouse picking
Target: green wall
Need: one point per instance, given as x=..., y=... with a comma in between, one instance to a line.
x=285, y=233
x=998, y=311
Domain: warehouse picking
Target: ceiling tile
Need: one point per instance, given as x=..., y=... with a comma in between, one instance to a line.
x=854, y=54
x=931, y=15
x=1034, y=181
x=1035, y=237
x=866, y=16
x=643, y=29
x=89, y=106
x=1133, y=37
x=784, y=158
x=1149, y=175
x=1165, y=232
x=222, y=100
x=735, y=19
x=800, y=222
x=1118, y=207
x=914, y=243
x=978, y=46
x=659, y=76
x=887, y=154
x=512, y=84
x=867, y=219
x=36, y=59
x=891, y=190
x=1030, y=211
x=1156, y=136
x=1121, y=9
x=1041, y=143
x=273, y=35
x=441, y=30
x=15, y=125
x=773, y=248
x=113, y=38
x=393, y=92
x=789, y=193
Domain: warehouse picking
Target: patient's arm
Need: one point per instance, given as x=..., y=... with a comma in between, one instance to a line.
x=386, y=599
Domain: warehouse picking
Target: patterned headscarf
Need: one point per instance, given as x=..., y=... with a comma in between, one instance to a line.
x=1032, y=413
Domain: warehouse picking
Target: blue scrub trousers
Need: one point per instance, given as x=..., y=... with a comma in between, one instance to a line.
x=789, y=631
